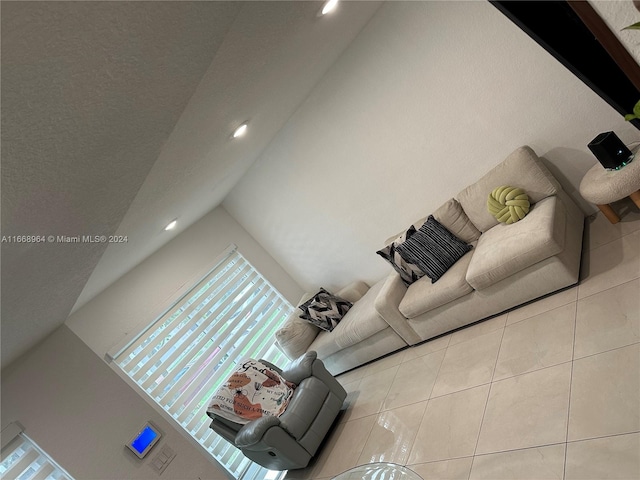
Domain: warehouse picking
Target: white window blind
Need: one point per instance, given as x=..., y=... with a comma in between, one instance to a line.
x=22, y=459
x=185, y=354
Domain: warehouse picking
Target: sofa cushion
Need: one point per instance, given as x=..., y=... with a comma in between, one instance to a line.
x=408, y=271
x=433, y=249
x=354, y=291
x=506, y=249
x=361, y=322
x=424, y=295
x=523, y=169
x=324, y=310
x=295, y=335
x=453, y=218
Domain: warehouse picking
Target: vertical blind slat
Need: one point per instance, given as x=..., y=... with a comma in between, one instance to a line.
x=237, y=463
x=37, y=467
x=46, y=470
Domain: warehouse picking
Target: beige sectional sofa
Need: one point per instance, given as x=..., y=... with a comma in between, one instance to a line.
x=361, y=336
x=508, y=265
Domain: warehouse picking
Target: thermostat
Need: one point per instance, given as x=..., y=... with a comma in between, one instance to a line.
x=144, y=440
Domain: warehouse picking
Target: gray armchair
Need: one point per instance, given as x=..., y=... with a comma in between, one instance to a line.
x=290, y=441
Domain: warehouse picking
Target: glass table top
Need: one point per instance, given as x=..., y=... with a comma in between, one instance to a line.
x=379, y=471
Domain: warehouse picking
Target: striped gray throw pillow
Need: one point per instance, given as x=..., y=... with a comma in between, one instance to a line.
x=433, y=248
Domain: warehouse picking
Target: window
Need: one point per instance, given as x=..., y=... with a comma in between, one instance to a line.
x=22, y=459
x=185, y=354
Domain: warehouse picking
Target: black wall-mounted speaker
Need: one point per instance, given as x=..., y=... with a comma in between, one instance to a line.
x=610, y=151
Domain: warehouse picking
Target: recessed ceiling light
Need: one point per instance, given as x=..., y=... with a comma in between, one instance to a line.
x=329, y=7
x=240, y=131
x=171, y=225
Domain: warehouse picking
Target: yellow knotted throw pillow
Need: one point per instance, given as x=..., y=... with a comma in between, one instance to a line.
x=508, y=204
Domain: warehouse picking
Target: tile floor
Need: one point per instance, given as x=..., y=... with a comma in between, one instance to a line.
x=550, y=390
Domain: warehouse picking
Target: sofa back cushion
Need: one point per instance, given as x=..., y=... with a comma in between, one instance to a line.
x=354, y=291
x=453, y=218
x=523, y=169
x=451, y=215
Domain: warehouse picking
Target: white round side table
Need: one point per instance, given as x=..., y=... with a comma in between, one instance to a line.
x=602, y=186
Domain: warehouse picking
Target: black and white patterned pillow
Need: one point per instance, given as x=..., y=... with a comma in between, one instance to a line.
x=408, y=272
x=325, y=310
x=433, y=248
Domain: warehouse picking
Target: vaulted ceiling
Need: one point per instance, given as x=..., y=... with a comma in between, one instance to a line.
x=117, y=118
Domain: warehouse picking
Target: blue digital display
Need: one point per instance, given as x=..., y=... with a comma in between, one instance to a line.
x=144, y=439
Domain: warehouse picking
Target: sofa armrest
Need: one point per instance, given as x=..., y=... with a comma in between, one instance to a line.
x=505, y=250
x=353, y=292
x=271, y=366
x=296, y=335
x=301, y=368
x=387, y=303
x=225, y=428
x=253, y=432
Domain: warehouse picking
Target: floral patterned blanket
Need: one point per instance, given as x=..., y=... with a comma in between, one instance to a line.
x=252, y=391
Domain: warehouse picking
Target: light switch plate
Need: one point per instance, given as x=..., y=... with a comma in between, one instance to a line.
x=162, y=459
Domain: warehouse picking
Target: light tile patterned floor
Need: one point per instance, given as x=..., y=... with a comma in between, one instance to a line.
x=550, y=390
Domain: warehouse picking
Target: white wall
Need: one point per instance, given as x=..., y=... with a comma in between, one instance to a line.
x=81, y=413
x=141, y=295
x=618, y=15
x=428, y=97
